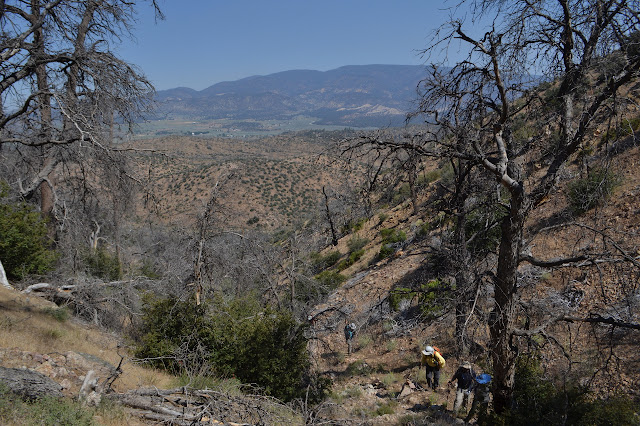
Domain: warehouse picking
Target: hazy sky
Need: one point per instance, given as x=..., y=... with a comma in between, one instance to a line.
x=203, y=42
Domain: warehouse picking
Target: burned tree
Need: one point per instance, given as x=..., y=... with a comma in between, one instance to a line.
x=476, y=109
x=63, y=91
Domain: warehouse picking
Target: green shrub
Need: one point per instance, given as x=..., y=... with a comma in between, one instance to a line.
x=102, y=264
x=626, y=128
x=389, y=379
x=429, y=177
x=432, y=296
x=484, y=226
x=229, y=339
x=24, y=245
x=59, y=314
x=403, y=193
x=358, y=368
x=353, y=226
x=392, y=235
x=359, y=224
x=52, y=333
x=320, y=262
x=385, y=251
x=356, y=243
x=330, y=279
x=387, y=408
x=591, y=191
x=382, y=217
x=353, y=258
x=148, y=269
x=423, y=229
x=447, y=174
x=364, y=340
x=54, y=411
x=391, y=345
x=397, y=295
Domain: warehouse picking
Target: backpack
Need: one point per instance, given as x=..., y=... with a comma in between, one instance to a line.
x=466, y=379
x=349, y=331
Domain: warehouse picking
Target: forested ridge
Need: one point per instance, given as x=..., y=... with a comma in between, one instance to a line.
x=192, y=279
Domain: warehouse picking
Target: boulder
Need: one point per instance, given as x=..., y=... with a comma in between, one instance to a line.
x=29, y=384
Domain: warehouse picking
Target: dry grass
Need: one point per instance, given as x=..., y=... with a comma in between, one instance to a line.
x=27, y=323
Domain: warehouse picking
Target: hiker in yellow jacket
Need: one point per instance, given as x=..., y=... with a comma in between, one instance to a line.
x=434, y=363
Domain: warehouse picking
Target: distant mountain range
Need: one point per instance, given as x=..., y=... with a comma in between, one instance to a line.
x=351, y=96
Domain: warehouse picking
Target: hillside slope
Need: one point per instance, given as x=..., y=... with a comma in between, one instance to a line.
x=391, y=333
x=373, y=385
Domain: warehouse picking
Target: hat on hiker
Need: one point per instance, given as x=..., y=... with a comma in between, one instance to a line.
x=466, y=365
x=483, y=378
x=427, y=351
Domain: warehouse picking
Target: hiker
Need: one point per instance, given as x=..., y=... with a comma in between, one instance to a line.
x=465, y=377
x=434, y=362
x=481, y=396
x=349, y=331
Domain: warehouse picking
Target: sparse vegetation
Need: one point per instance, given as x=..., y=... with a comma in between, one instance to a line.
x=47, y=411
x=392, y=235
x=102, y=264
x=330, y=279
x=364, y=340
x=592, y=190
x=321, y=262
x=359, y=368
x=538, y=400
x=356, y=243
x=386, y=408
x=59, y=314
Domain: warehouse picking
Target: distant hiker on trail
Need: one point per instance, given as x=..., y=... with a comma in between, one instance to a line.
x=481, y=396
x=465, y=377
x=349, y=331
x=434, y=362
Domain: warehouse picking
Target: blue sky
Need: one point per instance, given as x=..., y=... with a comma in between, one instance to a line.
x=203, y=42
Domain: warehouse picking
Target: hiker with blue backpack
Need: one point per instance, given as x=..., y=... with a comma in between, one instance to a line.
x=481, y=397
x=466, y=381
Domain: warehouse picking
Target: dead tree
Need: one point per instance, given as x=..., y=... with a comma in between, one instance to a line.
x=58, y=135
x=484, y=96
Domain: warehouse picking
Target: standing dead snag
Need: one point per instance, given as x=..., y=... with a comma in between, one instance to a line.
x=334, y=234
x=205, y=222
x=3, y=278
